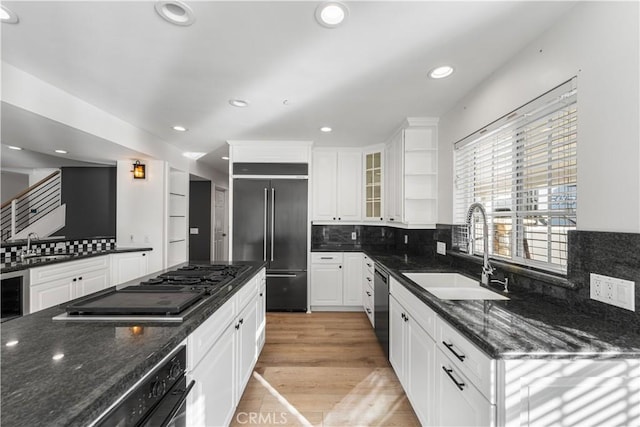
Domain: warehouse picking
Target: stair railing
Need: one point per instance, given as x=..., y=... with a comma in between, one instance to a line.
x=30, y=205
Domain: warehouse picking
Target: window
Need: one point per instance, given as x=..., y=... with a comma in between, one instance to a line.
x=523, y=169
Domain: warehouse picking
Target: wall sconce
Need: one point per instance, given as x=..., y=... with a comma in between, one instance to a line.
x=138, y=170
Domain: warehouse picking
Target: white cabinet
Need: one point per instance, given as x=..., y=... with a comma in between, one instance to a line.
x=261, y=309
x=373, y=184
x=326, y=279
x=221, y=355
x=337, y=185
x=457, y=401
x=573, y=393
x=336, y=279
x=128, y=266
x=212, y=401
x=58, y=283
x=412, y=355
x=411, y=162
x=368, y=301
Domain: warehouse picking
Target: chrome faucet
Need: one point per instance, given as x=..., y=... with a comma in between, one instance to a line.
x=29, y=252
x=487, y=269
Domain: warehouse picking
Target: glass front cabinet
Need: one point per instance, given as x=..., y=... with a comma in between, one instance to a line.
x=373, y=184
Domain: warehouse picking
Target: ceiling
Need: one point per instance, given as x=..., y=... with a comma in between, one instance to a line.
x=362, y=78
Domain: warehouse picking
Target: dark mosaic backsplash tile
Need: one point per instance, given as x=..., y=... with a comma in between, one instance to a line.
x=374, y=237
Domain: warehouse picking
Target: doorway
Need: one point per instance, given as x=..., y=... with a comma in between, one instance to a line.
x=220, y=250
x=199, y=221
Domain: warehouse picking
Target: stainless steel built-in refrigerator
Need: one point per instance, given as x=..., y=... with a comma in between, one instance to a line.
x=270, y=224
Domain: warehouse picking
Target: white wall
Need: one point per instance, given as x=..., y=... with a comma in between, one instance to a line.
x=140, y=209
x=12, y=184
x=598, y=42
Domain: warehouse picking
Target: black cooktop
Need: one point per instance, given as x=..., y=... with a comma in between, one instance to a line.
x=170, y=293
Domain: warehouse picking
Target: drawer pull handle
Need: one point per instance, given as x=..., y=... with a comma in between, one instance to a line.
x=369, y=310
x=448, y=372
x=368, y=293
x=326, y=257
x=368, y=265
x=460, y=357
x=369, y=279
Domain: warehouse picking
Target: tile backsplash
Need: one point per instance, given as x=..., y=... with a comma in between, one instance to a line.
x=11, y=251
x=610, y=254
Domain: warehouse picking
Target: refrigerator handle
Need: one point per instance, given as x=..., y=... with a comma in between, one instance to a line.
x=264, y=248
x=273, y=204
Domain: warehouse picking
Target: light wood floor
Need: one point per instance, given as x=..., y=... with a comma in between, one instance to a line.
x=323, y=369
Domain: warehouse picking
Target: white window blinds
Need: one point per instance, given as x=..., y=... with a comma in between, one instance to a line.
x=523, y=169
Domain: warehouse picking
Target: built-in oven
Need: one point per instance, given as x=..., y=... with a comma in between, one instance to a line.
x=14, y=297
x=159, y=400
x=381, y=307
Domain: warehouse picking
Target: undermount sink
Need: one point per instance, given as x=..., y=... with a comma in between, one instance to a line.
x=48, y=257
x=453, y=286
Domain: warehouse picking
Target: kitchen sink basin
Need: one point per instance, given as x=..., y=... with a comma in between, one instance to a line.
x=48, y=257
x=453, y=286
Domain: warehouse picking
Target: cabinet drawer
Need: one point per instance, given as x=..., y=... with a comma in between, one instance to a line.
x=369, y=265
x=205, y=336
x=422, y=314
x=67, y=269
x=468, y=359
x=326, y=258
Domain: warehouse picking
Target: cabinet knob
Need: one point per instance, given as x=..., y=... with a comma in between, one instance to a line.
x=144, y=254
x=80, y=278
x=339, y=266
x=237, y=326
x=334, y=218
x=75, y=280
x=241, y=321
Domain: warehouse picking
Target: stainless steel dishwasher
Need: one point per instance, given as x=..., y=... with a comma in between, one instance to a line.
x=381, y=307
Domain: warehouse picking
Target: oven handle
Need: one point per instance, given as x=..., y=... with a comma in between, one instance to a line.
x=178, y=405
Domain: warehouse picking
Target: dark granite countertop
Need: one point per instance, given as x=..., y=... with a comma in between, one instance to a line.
x=529, y=325
x=17, y=265
x=102, y=360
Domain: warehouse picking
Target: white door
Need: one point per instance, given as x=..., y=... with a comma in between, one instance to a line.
x=324, y=185
x=91, y=282
x=247, y=355
x=349, y=203
x=421, y=353
x=396, y=339
x=352, y=284
x=326, y=284
x=219, y=233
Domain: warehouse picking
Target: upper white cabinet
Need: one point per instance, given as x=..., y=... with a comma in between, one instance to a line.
x=337, y=185
x=411, y=163
x=373, y=188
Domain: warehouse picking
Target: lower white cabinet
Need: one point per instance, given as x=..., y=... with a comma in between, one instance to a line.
x=128, y=266
x=58, y=283
x=457, y=401
x=368, y=301
x=212, y=401
x=222, y=353
x=412, y=355
x=261, y=310
x=336, y=279
x=451, y=382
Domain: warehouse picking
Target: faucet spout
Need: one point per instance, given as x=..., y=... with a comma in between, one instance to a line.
x=487, y=268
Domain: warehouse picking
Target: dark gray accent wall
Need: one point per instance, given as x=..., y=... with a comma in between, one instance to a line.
x=200, y=218
x=90, y=196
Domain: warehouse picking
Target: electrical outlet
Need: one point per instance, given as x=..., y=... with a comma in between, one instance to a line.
x=354, y=236
x=611, y=290
x=406, y=239
x=441, y=248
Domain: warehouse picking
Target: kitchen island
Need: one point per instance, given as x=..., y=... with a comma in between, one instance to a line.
x=68, y=373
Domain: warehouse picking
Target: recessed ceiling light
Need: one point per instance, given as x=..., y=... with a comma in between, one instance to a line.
x=176, y=12
x=8, y=16
x=240, y=103
x=13, y=147
x=193, y=155
x=61, y=151
x=441, y=72
x=225, y=158
x=331, y=14
x=325, y=129
x=180, y=128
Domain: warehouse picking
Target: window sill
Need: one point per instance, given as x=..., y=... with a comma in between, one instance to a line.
x=554, y=279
